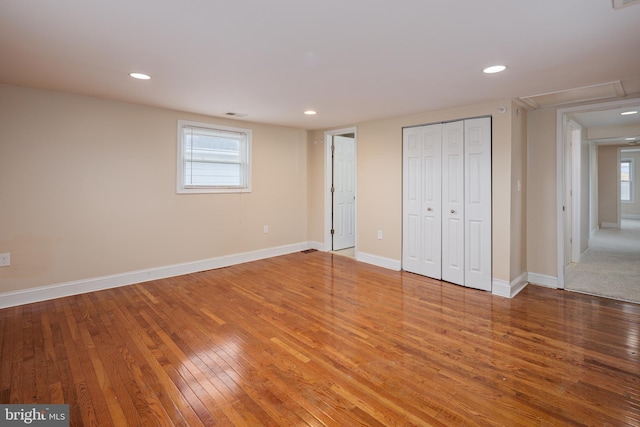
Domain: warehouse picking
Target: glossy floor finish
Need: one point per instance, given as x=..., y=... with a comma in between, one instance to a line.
x=318, y=339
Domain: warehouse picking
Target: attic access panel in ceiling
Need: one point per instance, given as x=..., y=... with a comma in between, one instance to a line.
x=617, y=4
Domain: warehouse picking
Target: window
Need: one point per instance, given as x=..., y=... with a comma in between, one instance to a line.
x=626, y=178
x=213, y=159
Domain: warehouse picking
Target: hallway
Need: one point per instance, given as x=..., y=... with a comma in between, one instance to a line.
x=611, y=265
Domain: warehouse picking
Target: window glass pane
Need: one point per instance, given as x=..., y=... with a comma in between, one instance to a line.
x=211, y=147
x=212, y=174
x=625, y=170
x=625, y=191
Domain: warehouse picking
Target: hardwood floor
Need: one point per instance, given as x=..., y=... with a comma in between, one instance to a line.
x=317, y=339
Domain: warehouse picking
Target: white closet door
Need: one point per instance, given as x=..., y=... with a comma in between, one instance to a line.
x=432, y=200
x=453, y=206
x=421, y=251
x=344, y=196
x=447, y=202
x=477, y=148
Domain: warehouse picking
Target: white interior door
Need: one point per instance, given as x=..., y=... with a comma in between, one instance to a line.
x=422, y=205
x=453, y=206
x=344, y=194
x=477, y=176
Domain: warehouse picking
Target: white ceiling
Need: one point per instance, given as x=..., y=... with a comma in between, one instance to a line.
x=351, y=60
x=609, y=117
x=612, y=118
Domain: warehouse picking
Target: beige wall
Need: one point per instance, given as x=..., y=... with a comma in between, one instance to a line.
x=604, y=132
x=608, y=183
x=379, y=184
x=87, y=189
x=542, y=250
x=315, y=189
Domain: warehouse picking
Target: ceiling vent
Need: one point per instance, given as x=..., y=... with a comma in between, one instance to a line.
x=573, y=96
x=619, y=4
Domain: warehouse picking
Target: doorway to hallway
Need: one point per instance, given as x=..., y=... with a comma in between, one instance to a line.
x=598, y=236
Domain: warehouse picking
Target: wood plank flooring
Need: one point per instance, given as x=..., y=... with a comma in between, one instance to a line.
x=322, y=340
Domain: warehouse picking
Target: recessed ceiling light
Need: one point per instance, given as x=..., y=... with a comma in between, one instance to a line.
x=310, y=113
x=629, y=139
x=628, y=113
x=494, y=69
x=140, y=76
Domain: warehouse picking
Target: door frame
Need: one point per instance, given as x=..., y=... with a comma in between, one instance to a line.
x=562, y=124
x=328, y=178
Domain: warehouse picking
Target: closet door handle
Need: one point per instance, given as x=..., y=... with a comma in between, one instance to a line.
x=429, y=209
x=453, y=211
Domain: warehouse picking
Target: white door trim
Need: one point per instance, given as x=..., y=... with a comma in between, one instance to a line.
x=576, y=162
x=328, y=171
x=561, y=121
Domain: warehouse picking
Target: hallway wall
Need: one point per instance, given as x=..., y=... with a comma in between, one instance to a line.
x=608, y=183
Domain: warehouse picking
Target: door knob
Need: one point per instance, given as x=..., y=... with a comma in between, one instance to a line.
x=453, y=211
x=429, y=209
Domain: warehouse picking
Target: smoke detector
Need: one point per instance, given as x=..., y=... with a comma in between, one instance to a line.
x=619, y=4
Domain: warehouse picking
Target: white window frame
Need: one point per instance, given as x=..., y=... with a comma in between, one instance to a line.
x=184, y=188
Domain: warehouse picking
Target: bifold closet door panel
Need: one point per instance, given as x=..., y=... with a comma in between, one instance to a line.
x=453, y=262
x=422, y=208
x=477, y=149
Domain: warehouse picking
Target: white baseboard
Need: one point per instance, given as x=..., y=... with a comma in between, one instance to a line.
x=43, y=293
x=630, y=216
x=319, y=246
x=543, y=280
x=505, y=289
x=389, y=263
x=609, y=225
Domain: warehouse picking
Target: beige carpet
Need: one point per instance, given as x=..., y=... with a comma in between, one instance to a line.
x=611, y=266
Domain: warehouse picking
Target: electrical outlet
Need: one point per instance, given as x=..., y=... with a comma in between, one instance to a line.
x=266, y=229
x=5, y=259
x=379, y=234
